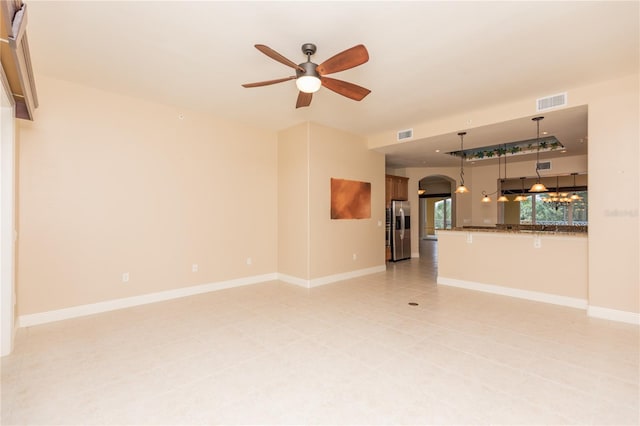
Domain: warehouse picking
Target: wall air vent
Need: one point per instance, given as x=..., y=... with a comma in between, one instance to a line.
x=544, y=165
x=550, y=102
x=405, y=134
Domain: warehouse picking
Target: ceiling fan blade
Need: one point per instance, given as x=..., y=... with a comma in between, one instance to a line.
x=304, y=99
x=345, y=60
x=344, y=88
x=278, y=57
x=266, y=83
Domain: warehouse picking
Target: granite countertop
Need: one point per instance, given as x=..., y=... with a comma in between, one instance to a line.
x=550, y=229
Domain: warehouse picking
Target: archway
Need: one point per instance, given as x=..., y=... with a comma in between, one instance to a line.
x=437, y=208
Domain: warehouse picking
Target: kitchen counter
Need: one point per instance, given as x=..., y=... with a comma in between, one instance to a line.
x=543, y=265
x=550, y=229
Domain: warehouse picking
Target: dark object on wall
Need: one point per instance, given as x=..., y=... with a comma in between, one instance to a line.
x=16, y=74
x=350, y=199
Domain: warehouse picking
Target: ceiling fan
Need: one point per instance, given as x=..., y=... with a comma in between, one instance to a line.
x=309, y=76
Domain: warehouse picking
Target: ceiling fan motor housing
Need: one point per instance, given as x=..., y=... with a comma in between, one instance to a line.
x=309, y=70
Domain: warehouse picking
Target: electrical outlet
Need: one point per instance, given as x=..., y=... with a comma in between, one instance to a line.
x=249, y=261
x=125, y=277
x=537, y=242
x=194, y=267
x=355, y=256
x=469, y=237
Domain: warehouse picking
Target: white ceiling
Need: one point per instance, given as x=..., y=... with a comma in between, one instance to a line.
x=427, y=59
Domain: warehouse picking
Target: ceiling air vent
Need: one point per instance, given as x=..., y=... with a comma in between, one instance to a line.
x=552, y=101
x=405, y=134
x=544, y=166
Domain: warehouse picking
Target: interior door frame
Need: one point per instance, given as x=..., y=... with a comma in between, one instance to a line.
x=7, y=216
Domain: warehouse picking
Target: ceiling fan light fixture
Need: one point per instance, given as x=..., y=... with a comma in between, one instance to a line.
x=310, y=76
x=308, y=83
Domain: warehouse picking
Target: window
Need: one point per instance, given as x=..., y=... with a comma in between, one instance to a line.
x=442, y=214
x=534, y=211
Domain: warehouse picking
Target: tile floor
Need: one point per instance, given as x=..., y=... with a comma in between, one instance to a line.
x=352, y=352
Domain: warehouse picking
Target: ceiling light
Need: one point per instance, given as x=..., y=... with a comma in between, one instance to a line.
x=308, y=83
x=521, y=197
x=501, y=151
x=575, y=196
x=461, y=188
x=538, y=186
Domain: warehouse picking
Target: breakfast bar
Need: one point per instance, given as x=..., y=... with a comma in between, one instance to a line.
x=535, y=262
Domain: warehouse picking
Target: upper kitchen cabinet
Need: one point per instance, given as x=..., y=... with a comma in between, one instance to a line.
x=396, y=188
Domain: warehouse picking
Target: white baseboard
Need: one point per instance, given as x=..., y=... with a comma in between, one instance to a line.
x=127, y=302
x=415, y=255
x=330, y=278
x=293, y=280
x=614, y=315
x=571, y=302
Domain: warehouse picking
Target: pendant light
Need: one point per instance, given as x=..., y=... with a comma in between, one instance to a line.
x=575, y=196
x=461, y=188
x=521, y=197
x=502, y=198
x=486, y=198
x=538, y=186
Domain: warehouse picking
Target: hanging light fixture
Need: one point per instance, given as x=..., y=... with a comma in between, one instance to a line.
x=521, y=197
x=486, y=197
x=538, y=186
x=557, y=198
x=575, y=196
x=502, y=198
x=461, y=188
x=420, y=190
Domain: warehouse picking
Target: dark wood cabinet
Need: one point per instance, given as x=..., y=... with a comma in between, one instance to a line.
x=396, y=188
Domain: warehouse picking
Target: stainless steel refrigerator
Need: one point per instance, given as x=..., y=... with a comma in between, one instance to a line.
x=400, y=230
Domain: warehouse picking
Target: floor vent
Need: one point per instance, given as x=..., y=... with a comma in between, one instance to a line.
x=552, y=101
x=405, y=134
x=544, y=166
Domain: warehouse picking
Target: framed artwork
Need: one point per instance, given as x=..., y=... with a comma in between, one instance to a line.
x=350, y=199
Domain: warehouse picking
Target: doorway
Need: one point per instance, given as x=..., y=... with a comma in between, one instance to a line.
x=436, y=205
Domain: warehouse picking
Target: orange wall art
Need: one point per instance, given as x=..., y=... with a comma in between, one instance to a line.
x=350, y=199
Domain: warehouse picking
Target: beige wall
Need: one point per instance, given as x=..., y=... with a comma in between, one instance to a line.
x=111, y=184
x=333, y=243
x=311, y=245
x=614, y=194
x=510, y=260
x=293, y=201
x=614, y=180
